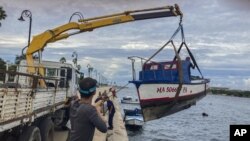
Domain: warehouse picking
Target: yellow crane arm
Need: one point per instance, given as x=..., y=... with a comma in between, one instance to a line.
x=39, y=41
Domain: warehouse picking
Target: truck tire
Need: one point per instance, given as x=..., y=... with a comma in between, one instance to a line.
x=10, y=138
x=30, y=133
x=7, y=137
x=61, y=118
x=46, y=127
x=1, y=136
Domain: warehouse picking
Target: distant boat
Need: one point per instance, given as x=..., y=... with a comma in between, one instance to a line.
x=129, y=100
x=166, y=87
x=133, y=118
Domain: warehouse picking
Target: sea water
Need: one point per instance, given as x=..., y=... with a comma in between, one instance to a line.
x=190, y=125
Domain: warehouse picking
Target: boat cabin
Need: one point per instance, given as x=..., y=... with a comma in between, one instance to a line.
x=163, y=72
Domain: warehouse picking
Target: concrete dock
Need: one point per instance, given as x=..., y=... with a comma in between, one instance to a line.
x=118, y=133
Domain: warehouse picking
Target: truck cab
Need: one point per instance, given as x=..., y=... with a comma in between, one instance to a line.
x=66, y=74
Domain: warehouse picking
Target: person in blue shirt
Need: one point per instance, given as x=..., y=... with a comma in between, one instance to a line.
x=190, y=65
x=111, y=109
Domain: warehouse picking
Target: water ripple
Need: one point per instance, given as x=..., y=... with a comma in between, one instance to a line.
x=190, y=125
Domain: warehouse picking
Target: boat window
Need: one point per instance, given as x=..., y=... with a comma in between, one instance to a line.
x=154, y=67
x=167, y=66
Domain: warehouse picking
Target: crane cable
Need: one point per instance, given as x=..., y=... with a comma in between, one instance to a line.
x=121, y=88
x=189, y=52
x=171, y=39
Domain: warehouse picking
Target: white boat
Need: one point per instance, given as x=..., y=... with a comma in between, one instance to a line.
x=133, y=118
x=166, y=87
x=129, y=100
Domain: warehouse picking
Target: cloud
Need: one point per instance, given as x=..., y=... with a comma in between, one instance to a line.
x=247, y=83
x=232, y=82
x=11, y=40
x=135, y=45
x=217, y=31
x=237, y=4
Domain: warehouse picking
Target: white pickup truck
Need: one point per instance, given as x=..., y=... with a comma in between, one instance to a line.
x=28, y=112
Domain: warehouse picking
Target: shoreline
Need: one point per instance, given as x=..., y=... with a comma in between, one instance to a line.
x=229, y=92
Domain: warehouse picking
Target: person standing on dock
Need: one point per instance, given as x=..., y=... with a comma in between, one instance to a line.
x=111, y=109
x=84, y=117
x=105, y=93
x=112, y=90
x=99, y=97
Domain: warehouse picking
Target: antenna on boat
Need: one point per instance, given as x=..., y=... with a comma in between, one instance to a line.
x=133, y=67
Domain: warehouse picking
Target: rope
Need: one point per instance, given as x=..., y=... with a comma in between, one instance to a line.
x=172, y=37
x=194, y=61
x=189, y=52
x=180, y=74
x=122, y=88
x=183, y=43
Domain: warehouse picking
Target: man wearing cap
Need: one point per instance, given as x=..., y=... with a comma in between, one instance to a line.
x=84, y=117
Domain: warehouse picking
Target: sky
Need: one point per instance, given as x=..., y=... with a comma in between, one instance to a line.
x=216, y=31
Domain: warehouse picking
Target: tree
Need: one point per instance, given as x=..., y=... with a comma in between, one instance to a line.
x=78, y=67
x=2, y=64
x=63, y=60
x=2, y=67
x=3, y=15
x=19, y=58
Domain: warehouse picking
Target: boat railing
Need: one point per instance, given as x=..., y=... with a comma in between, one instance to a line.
x=142, y=62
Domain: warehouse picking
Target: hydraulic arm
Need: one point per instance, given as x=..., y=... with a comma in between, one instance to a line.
x=39, y=41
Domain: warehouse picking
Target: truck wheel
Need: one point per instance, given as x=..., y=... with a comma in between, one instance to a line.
x=1, y=135
x=61, y=118
x=46, y=127
x=7, y=137
x=11, y=138
x=30, y=133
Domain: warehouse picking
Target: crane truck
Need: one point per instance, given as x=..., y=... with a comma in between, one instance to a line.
x=37, y=99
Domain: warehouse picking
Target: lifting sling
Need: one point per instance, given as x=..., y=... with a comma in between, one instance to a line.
x=177, y=57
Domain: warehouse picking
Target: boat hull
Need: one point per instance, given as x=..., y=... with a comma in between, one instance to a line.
x=129, y=102
x=131, y=121
x=159, y=99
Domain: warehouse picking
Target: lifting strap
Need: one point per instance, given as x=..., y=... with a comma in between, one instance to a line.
x=170, y=40
x=180, y=72
x=189, y=52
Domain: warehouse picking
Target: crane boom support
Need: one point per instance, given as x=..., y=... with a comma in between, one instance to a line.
x=83, y=25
